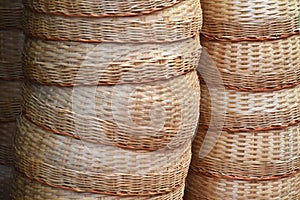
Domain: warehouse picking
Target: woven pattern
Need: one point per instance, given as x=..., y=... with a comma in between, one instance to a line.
x=257, y=64
x=5, y=182
x=28, y=190
x=178, y=22
x=174, y=98
x=6, y=149
x=101, y=8
x=249, y=19
x=74, y=63
x=205, y=187
x=10, y=14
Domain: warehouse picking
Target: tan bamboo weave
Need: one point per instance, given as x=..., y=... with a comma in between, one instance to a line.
x=247, y=111
x=6, y=139
x=250, y=19
x=202, y=187
x=74, y=63
x=178, y=22
x=249, y=154
x=25, y=189
x=254, y=65
x=77, y=165
x=10, y=14
x=140, y=116
x=11, y=45
x=5, y=182
x=101, y=8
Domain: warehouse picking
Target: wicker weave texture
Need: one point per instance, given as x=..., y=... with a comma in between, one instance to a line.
x=178, y=22
x=201, y=187
x=69, y=163
x=25, y=189
x=94, y=8
x=250, y=19
x=10, y=14
x=5, y=182
x=141, y=116
x=255, y=64
x=74, y=63
x=7, y=131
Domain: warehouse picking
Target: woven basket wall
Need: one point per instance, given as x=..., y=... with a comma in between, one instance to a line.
x=5, y=181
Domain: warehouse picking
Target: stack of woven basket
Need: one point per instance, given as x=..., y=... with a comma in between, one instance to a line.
x=256, y=47
x=111, y=99
x=11, y=40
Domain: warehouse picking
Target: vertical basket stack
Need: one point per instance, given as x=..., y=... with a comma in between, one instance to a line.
x=111, y=99
x=11, y=43
x=256, y=47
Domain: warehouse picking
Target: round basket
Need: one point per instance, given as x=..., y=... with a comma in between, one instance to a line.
x=25, y=189
x=252, y=111
x=10, y=102
x=7, y=130
x=77, y=165
x=205, y=187
x=178, y=22
x=254, y=65
x=101, y=8
x=11, y=45
x=74, y=63
x=249, y=19
x=249, y=154
x=139, y=116
x=11, y=14
x=5, y=181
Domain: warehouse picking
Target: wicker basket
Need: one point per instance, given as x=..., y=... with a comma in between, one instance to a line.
x=202, y=187
x=249, y=19
x=11, y=45
x=175, y=23
x=101, y=8
x=7, y=131
x=26, y=189
x=5, y=182
x=74, y=63
x=10, y=14
x=248, y=111
x=77, y=165
x=255, y=65
x=249, y=154
x=139, y=116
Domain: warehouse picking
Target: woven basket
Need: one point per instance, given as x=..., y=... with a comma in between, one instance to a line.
x=10, y=102
x=204, y=187
x=101, y=8
x=249, y=19
x=5, y=182
x=74, y=63
x=26, y=189
x=249, y=154
x=11, y=45
x=248, y=111
x=139, y=116
x=77, y=165
x=175, y=23
x=10, y=14
x=255, y=65
x=7, y=131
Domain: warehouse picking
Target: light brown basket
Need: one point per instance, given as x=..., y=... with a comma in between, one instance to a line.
x=11, y=45
x=140, y=116
x=204, y=187
x=68, y=163
x=254, y=65
x=11, y=14
x=175, y=23
x=101, y=8
x=25, y=189
x=249, y=19
x=249, y=154
x=5, y=181
x=7, y=130
x=248, y=111
x=74, y=63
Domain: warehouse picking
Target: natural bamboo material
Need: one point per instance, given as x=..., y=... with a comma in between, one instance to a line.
x=11, y=14
x=7, y=130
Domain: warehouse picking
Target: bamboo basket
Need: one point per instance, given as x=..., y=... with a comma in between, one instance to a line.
x=252, y=111
x=140, y=116
x=5, y=182
x=10, y=14
x=68, y=163
x=26, y=189
x=205, y=187
x=249, y=154
x=249, y=19
x=101, y=8
x=74, y=63
x=7, y=131
x=178, y=22
x=11, y=45
x=255, y=65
